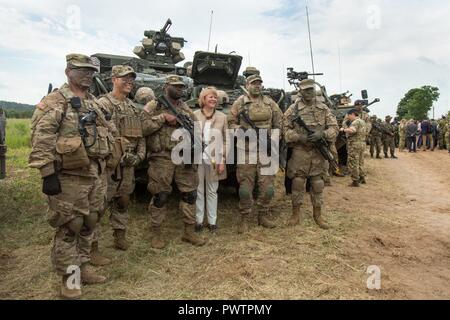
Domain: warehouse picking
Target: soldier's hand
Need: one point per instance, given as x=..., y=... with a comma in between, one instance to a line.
x=131, y=160
x=51, y=185
x=170, y=118
x=316, y=136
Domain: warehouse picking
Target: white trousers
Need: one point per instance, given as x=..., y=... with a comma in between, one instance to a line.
x=207, y=188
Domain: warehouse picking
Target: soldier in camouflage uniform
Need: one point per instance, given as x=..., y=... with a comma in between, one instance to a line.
x=306, y=162
x=71, y=162
x=158, y=125
x=356, y=145
x=388, y=138
x=375, y=138
x=144, y=95
x=126, y=120
x=402, y=135
x=442, y=126
x=265, y=114
x=363, y=115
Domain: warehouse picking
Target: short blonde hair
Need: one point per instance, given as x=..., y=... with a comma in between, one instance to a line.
x=206, y=91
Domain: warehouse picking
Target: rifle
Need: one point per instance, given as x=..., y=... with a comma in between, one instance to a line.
x=247, y=119
x=322, y=145
x=378, y=127
x=186, y=122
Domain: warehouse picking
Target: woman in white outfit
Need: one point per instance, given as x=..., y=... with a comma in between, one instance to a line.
x=212, y=169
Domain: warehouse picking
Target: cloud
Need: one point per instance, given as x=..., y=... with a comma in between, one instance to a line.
x=387, y=47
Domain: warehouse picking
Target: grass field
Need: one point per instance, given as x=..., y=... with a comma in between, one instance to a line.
x=17, y=133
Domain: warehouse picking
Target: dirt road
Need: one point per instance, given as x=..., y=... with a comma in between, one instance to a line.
x=399, y=222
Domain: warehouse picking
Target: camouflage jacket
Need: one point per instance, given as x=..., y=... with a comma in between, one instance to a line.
x=56, y=140
x=358, y=135
x=157, y=132
x=125, y=118
x=316, y=117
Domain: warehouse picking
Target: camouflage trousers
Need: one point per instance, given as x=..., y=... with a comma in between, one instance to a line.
x=447, y=140
x=306, y=163
x=388, y=144
x=402, y=142
x=120, y=186
x=375, y=145
x=74, y=214
x=356, y=160
x=161, y=173
x=441, y=140
x=249, y=176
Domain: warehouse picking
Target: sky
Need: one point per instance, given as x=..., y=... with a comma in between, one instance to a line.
x=384, y=46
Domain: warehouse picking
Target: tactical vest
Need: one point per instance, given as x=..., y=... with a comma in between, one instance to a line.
x=126, y=118
x=315, y=117
x=161, y=141
x=73, y=149
x=259, y=112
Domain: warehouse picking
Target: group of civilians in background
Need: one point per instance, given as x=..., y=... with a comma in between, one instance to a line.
x=424, y=134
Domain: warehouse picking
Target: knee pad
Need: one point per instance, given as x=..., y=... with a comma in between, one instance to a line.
x=317, y=185
x=269, y=193
x=90, y=221
x=160, y=199
x=122, y=203
x=74, y=226
x=189, y=197
x=244, y=192
x=298, y=184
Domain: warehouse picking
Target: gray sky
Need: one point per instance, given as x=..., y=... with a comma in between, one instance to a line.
x=387, y=47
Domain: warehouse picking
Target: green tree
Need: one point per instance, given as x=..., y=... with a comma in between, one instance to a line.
x=417, y=103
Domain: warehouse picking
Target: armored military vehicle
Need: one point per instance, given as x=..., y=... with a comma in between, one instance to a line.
x=156, y=58
x=218, y=70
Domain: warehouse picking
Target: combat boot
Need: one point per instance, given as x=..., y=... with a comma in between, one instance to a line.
x=88, y=275
x=317, y=213
x=362, y=180
x=354, y=184
x=120, y=241
x=264, y=222
x=295, y=218
x=379, y=157
x=394, y=157
x=157, y=239
x=243, y=225
x=96, y=258
x=386, y=156
x=191, y=237
x=66, y=293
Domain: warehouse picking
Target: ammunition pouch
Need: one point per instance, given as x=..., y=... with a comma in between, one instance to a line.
x=119, y=147
x=99, y=140
x=72, y=152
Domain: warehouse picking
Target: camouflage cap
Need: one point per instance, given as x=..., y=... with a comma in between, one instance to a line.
x=174, y=80
x=144, y=94
x=253, y=78
x=119, y=71
x=307, y=84
x=388, y=118
x=249, y=71
x=77, y=60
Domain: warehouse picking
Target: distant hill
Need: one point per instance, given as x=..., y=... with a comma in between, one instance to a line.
x=17, y=110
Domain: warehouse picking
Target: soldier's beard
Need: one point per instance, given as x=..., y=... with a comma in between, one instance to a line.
x=255, y=91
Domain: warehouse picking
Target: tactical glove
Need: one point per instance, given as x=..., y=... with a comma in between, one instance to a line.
x=51, y=185
x=131, y=160
x=316, y=136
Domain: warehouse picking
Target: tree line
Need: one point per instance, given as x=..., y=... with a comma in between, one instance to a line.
x=17, y=110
